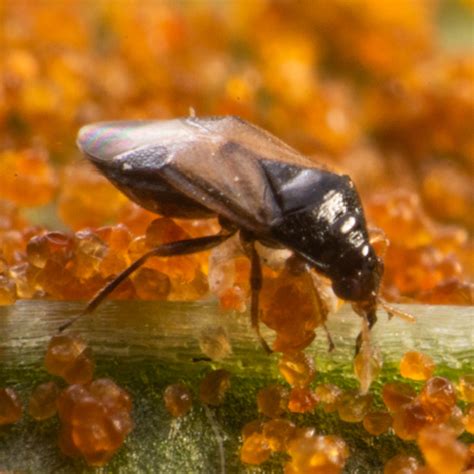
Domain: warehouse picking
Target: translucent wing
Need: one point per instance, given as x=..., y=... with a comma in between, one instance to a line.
x=220, y=164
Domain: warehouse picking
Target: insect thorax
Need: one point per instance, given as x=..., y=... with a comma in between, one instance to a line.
x=330, y=231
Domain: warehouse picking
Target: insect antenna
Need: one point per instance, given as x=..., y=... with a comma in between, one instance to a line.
x=181, y=247
x=391, y=311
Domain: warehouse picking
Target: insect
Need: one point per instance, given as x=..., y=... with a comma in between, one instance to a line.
x=254, y=183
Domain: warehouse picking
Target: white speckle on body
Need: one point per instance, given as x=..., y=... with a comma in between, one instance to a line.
x=332, y=207
x=356, y=238
x=348, y=225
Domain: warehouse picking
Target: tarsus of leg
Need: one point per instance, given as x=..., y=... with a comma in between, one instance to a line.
x=391, y=311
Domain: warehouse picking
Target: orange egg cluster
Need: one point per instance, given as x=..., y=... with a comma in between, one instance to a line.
x=353, y=406
x=255, y=449
x=95, y=414
x=402, y=463
x=435, y=404
x=69, y=266
x=397, y=394
x=301, y=400
x=466, y=388
x=69, y=357
x=328, y=394
x=272, y=400
x=308, y=451
x=316, y=454
x=442, y=452
x=377, y=422
x=11, y=407
x=178, y=399
x=86, y=199
x=415, y=365
x=434, y=96
x=27, y=177
x=14, y=235
x=470, y=460
x=284, y=286
x=424, y=261
x=214, y=342
x=297, y=369
x=42, y=403
x=214, y=387
x=431, y=416
x=95, y=420
x=7, y=291
x=228, y=274
x=468, y=419
x=279, y=296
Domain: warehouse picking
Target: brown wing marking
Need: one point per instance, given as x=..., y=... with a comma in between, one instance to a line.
x=227, y=178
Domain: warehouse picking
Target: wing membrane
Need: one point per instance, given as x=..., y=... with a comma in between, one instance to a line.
x=216, y=162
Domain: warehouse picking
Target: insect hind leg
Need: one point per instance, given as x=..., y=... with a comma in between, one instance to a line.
x=180, y=247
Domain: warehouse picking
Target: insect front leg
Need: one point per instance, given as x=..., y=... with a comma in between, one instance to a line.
x=256, y=280
x=181, y=247
x=321, y=308
x=371, y=318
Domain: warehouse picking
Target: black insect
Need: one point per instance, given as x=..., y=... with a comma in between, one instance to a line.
x=254, y=183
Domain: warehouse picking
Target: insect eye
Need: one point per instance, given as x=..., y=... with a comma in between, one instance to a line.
x=362, y=285
x=348, y=289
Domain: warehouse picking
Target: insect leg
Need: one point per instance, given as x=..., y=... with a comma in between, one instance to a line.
x=181, y=247
x=299, y=267
x=321, y=309
x=331, y=345
x=255, y=287
x=371, y=318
